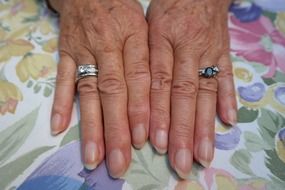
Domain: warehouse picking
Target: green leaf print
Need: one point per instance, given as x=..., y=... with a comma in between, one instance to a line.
x=12, y=170
x=15, y=135
x=151, y=167
x=254, y=143
x=71, y=135
x=278, y=77
x=47, y=91
x=150, y=187
x=241, y=161
x=275, y=165
x=246, y=116
x=269, y=124
x=37, y=88
x=270, y=15
x=276, y=184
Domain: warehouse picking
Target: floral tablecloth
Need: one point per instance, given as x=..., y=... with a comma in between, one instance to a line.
x=249, y=156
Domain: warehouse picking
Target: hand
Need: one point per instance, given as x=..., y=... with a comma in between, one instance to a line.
x=185, y=35
x=114, y=36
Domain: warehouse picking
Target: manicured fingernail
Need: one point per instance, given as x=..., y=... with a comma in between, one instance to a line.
x=56, y=124
x=161, y=141
x=139, y=135
x=91, y=156
x=183, y=163
x=116, y=163
x=205, y=152
x=232, y=116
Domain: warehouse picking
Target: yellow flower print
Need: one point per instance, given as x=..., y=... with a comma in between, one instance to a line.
x=19, y=7
x=243, y=74
x=10, y=95
x=44, y=26
x=10, y=48
x=280, y=22
x=2, y=34
x=279, y=144
x=14, y=12
x=257, y=184
x=35, y=66
x=224, y=182
x=50, y=45
x=276, y=93
x=188, y=185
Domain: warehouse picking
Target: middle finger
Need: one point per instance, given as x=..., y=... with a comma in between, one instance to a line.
x=183, y=106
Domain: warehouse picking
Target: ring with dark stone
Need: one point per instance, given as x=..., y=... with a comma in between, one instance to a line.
x=209, y=72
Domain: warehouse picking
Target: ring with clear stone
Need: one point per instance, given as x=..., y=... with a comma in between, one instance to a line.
x=86, y=71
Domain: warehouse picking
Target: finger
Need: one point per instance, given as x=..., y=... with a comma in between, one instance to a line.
x=161, y=63
x=227, y=105
x=64, y=94
x=113, y=93
x=183, y=106
x=205, y=121
x=92, y=141
x=136, y=63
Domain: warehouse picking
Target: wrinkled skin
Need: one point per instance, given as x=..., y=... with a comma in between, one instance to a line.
x=135, y=97
x=185, y=35
x=113, y=35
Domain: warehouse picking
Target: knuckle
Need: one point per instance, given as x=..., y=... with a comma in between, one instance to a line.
x=140, y=22
x=139, y=73
x=161, y=81
x=159, y=114
x=158, y=27
x=110, y=84
x=64, y=78
x=182, y=131
x=226, y=72
x=88, y=88
x=89, y=125
x=115, y=135
x=208, y=85
x=61, y=107
x=138, y=110
x=229, y=94
x=187, y=88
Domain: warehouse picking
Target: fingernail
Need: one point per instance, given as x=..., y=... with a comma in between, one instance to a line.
x=55, y=124
x=183, y=163
x=139, y=135
x=161, y=141
x=232, y=116
x=91, y=156
x=116, y=163
x=205, y=152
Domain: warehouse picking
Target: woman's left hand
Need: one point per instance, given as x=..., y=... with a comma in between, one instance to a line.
x=185, y=36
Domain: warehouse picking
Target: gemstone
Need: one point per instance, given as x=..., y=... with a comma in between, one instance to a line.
x=209, y=72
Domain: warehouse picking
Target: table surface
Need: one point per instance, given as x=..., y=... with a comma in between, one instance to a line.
x=248, y=156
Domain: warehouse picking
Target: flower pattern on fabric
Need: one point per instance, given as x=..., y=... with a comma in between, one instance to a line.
x=68, y=173
x=10, y=95
x=272, y=5
x=280, y=24
x=35, y=66
x=246, y=11
x=213, y=178
x=248, y=156
x=227, y=138
x=259, y=42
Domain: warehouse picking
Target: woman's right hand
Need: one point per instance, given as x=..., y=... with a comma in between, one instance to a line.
x=113, y=35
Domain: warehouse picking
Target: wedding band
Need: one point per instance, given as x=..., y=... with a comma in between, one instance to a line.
x=86, y=70
x=209, y=72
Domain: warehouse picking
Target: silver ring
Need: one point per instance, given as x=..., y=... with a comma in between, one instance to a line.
x=86, y=70
x=209, y=72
